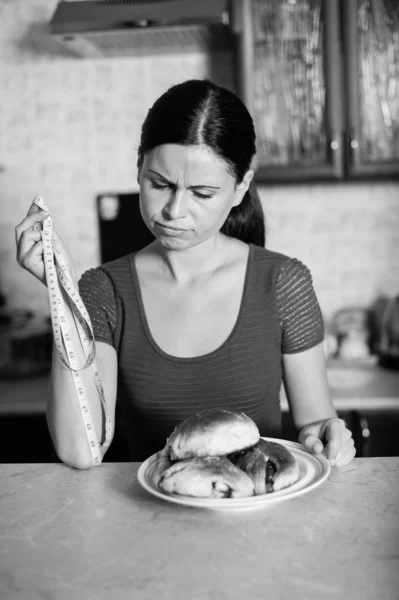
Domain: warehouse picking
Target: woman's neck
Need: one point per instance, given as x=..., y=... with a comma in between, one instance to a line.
x=191, y=264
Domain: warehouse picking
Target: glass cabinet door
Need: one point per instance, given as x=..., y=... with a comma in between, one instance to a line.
x=372, y=52
x=290, y=81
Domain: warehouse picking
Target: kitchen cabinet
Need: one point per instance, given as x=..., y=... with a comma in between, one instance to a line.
x=25, y=438
x=321, y=80
x=371, y=45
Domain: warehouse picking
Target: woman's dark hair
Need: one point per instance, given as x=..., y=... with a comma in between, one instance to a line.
x=200, y=112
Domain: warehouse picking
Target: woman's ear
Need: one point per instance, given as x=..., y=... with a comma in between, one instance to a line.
x=242, y=187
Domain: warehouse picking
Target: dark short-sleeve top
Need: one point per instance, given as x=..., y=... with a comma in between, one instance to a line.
x=279, y=314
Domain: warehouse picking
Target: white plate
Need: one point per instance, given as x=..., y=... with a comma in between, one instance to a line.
x=314, y=469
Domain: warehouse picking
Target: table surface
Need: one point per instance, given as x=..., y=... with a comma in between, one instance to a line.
x=67, y=534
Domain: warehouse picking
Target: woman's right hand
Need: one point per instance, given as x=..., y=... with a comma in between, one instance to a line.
x=30, y=245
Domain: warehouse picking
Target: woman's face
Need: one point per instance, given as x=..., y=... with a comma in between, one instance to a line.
x=186, y=194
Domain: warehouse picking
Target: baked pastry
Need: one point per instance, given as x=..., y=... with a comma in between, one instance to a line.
x=270, y=466
x=212, y=432
x=219, y=454
x=209, y=477
x=161, y=463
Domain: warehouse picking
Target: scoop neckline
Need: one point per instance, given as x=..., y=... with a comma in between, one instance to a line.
x=208, y=355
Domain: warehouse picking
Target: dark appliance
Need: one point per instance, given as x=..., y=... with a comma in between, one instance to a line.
x=121, y=227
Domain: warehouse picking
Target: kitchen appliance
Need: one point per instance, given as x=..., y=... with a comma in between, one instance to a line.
x=121, y=227
x=98, y=28
x=389, y=338
x=353, y=329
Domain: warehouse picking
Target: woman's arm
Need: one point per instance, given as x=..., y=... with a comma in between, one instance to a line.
x=306, y=385
x=313, y=414
x=63, y=410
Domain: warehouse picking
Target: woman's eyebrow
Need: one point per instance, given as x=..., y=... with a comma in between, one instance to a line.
x=213, y=187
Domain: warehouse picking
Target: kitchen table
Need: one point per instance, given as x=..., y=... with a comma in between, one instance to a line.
x=69, y=534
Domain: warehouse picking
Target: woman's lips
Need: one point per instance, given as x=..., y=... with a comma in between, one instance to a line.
x=170, y=230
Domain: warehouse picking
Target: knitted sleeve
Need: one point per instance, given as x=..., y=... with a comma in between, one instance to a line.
x=97, y=293
x=299, y=312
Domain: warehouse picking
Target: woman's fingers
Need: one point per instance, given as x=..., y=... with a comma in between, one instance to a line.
x=32, y=260
x=309, y=436
x=340, y=448
x=334, y=438
x=346, y=454
x=347, y=435
x=312, y=443
x=34, y=208
x=30, y=220
x=27, y=240
x=338, y=442
x=35, y=215
x=30, y=246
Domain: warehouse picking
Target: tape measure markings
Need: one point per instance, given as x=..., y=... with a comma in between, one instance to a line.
x=62, y=292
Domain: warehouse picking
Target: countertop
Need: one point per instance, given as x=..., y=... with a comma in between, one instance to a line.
x=354, y=385
x=96, y=534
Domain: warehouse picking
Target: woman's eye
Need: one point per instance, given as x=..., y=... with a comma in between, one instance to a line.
x=166, y=186
x=203, y=196
x=159, y=186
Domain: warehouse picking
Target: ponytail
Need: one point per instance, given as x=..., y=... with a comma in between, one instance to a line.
x=246, y=221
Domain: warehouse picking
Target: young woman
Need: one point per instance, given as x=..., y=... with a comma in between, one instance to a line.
x=204, y=316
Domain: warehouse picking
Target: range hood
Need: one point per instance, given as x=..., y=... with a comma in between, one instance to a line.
x=98, y=28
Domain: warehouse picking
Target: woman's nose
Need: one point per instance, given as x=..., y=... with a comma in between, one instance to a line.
x=176, y=208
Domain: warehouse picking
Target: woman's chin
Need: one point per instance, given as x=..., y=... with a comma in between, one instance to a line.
x=173, y=243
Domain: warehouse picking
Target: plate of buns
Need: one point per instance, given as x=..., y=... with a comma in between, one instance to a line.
x=217, y=459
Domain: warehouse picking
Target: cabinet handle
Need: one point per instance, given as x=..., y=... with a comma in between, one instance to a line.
x=360, y=431
x=365, y=431
x=336, y=153
x=354, y=151
x=364, y=427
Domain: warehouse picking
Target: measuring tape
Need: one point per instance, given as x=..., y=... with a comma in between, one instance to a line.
x=62, y=293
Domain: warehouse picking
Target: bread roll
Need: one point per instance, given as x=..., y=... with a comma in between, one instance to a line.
x=212, y=432
x=161, y=463
x=210, y=477
x=270, y=466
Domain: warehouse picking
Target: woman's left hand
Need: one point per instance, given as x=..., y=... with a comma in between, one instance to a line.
x=331, y=437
